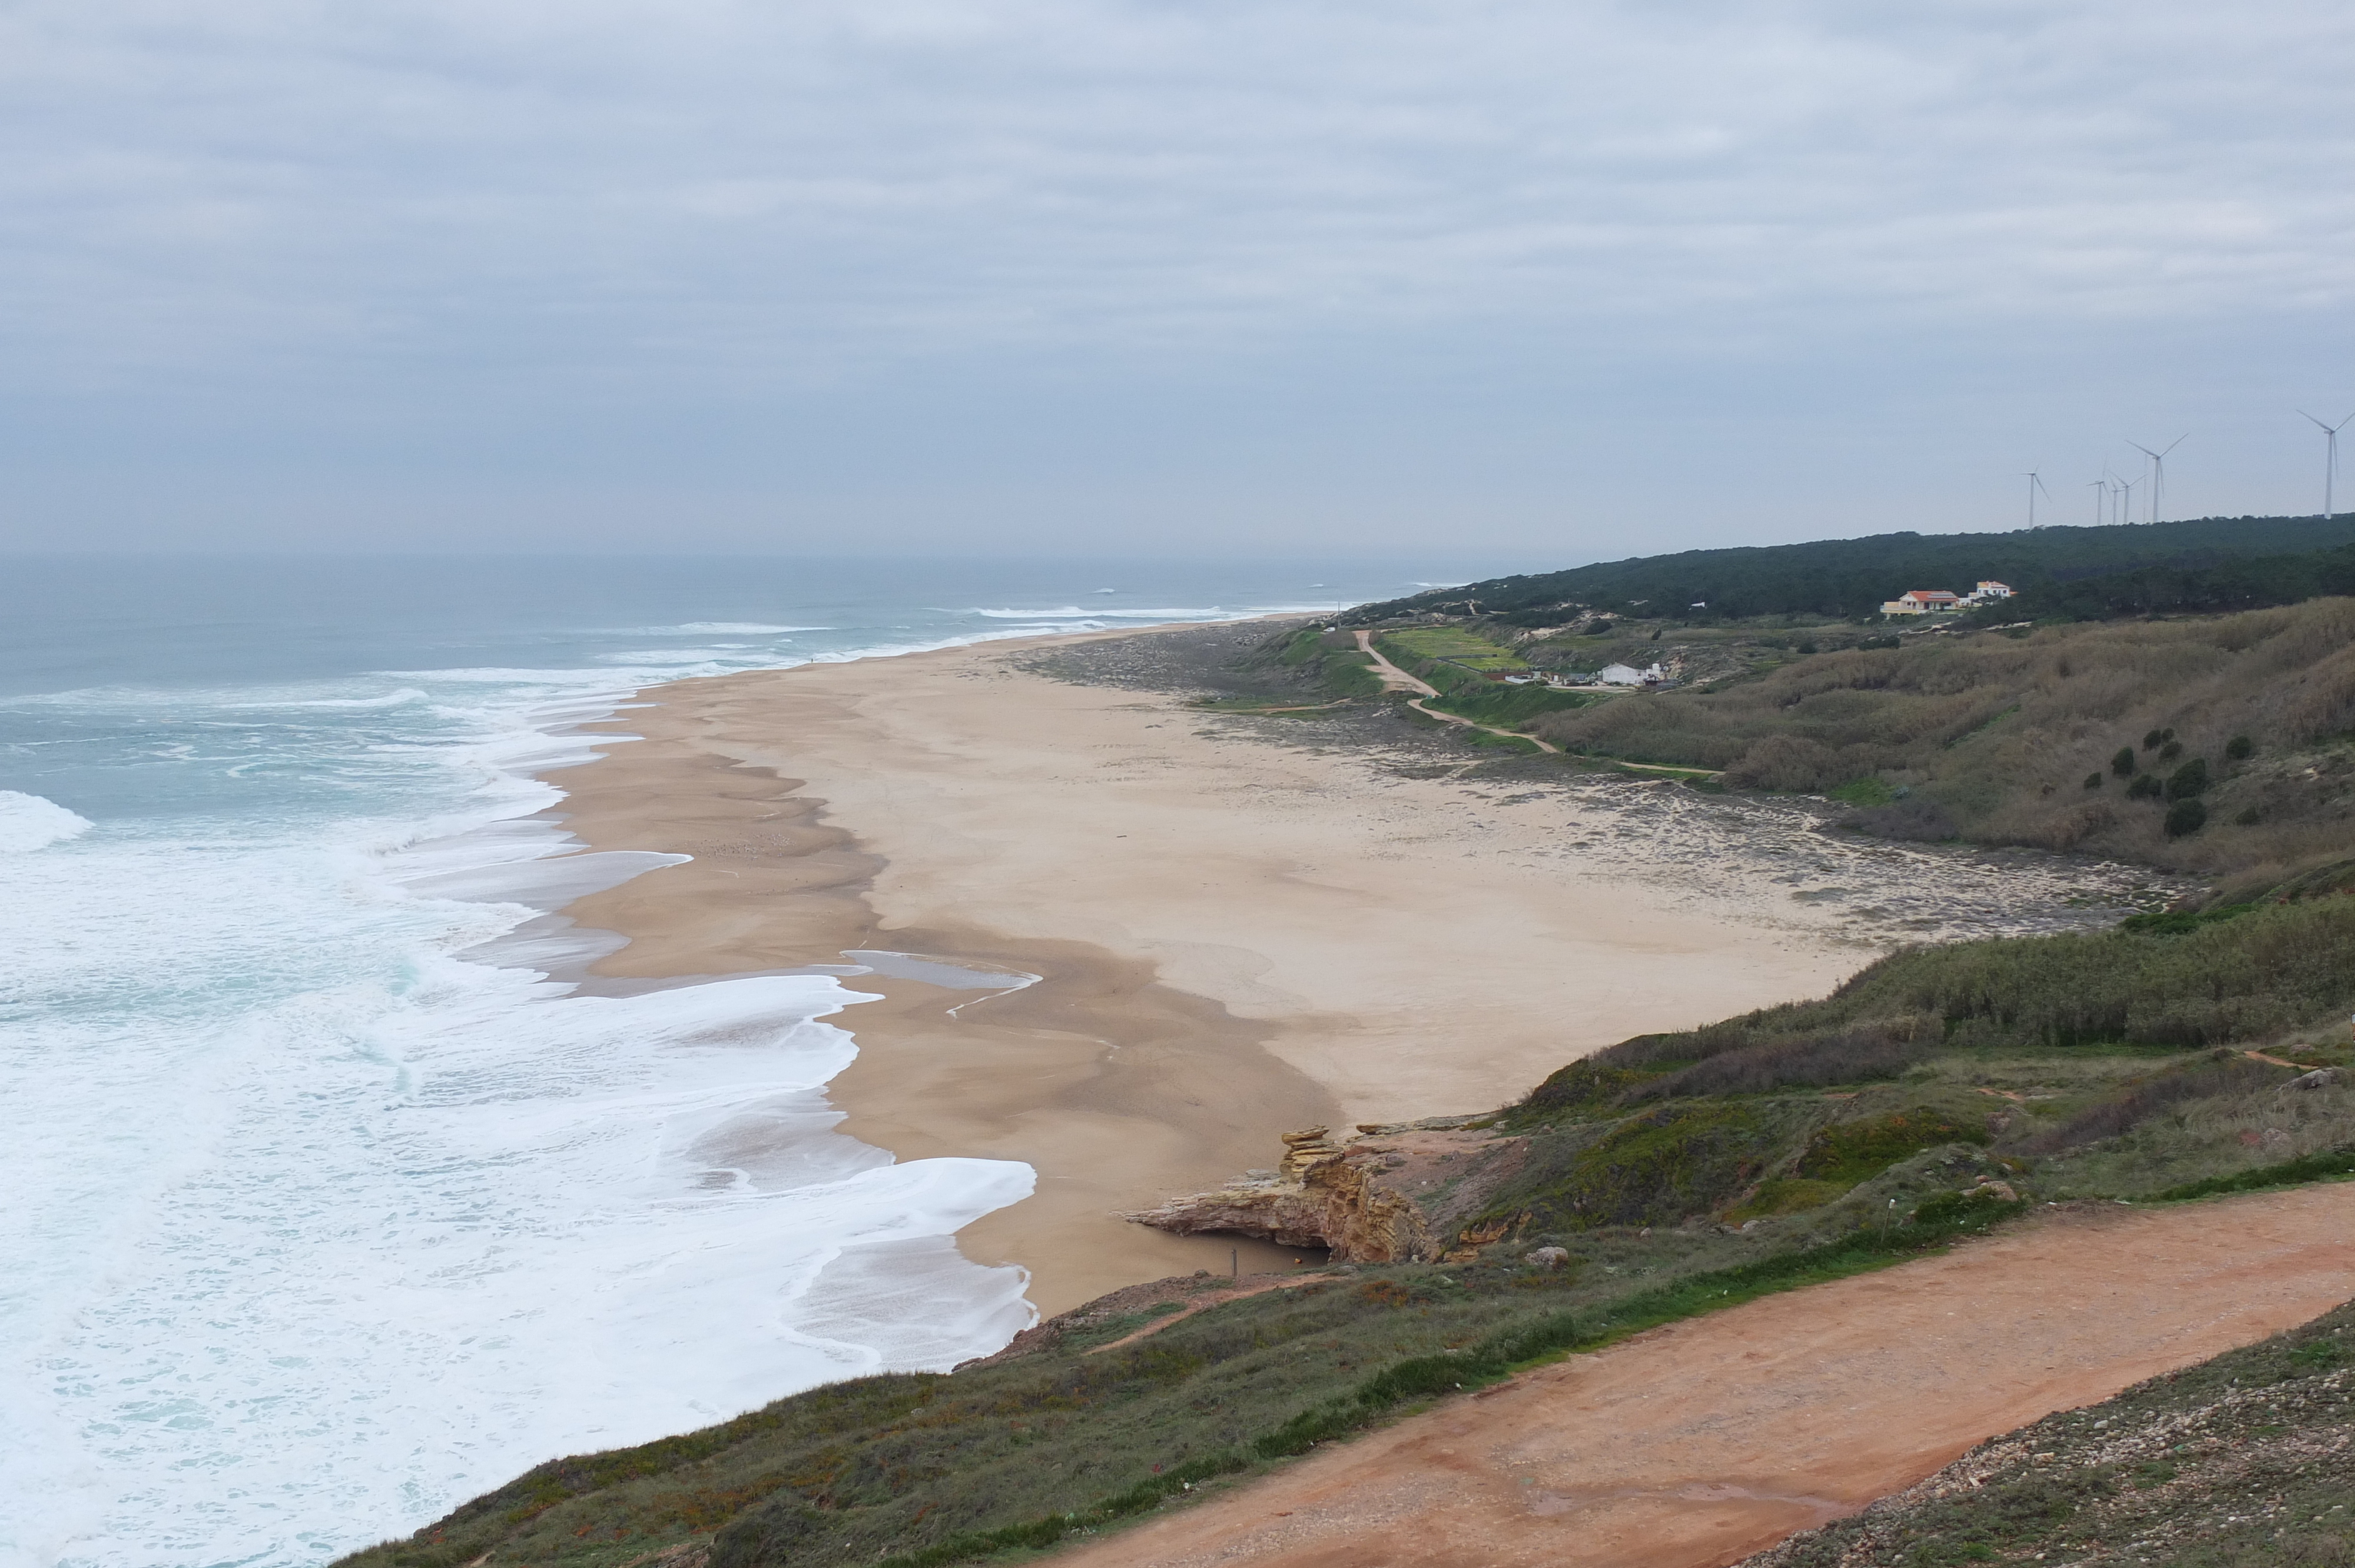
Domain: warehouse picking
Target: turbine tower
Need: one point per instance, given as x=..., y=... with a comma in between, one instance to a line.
x=2100, y=487
x=2035, y=484
x=2329, y=458
x=2158, y=469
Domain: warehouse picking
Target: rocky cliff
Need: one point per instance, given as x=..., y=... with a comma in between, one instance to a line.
x=1392, y=1192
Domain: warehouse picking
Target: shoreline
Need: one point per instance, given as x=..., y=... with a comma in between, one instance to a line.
x=1238, y=931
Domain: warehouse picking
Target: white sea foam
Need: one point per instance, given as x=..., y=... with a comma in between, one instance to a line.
x=31, y=823
x=1158, y=612
x=748, y=627
x=406, y=694
x=326, y=1230
x=315, y=1227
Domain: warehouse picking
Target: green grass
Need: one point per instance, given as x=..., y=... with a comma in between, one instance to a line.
x=1853, y=1151
x=1418, y=645
x=2248, y=978
x=1788, y=1195
x=1865, y=791
x=1329, y=660
x=2332, y=1162
x=1651, y=1169
x=1510, y=708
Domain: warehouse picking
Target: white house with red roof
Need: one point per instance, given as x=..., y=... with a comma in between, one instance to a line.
x=1922, y=601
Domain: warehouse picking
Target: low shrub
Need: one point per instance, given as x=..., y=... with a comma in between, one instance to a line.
x=1657, y=1168
x=2339, y=1162
x=2224, y=1073
x=1850, y=1153
x=2249, y=977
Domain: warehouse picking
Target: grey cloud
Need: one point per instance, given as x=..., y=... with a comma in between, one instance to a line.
x=592, y=206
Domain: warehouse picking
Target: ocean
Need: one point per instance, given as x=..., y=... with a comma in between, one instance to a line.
x=328, y=1206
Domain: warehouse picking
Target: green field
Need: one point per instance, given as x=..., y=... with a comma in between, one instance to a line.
x=1449, y=644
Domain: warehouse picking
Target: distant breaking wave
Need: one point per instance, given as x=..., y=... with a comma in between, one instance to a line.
x=1109, y=612
x=31, y=823
x=740, y=626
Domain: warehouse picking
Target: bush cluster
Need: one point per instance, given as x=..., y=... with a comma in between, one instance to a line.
x=2006, y=740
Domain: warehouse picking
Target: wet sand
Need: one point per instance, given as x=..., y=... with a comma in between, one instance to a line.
x=1235, y=937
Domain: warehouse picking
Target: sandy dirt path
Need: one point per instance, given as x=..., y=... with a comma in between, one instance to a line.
x=1695, y=1444
x=1397, y=680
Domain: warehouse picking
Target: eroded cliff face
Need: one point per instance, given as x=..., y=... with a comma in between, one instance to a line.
x=1391, y=1193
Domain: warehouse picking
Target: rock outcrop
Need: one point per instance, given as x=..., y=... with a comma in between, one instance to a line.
x=1393, y=1193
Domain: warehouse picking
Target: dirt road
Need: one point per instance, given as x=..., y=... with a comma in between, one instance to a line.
x=1696, y=1445
x=1394, y=679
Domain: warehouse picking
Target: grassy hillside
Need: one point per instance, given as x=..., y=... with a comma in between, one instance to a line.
x=1320, y=663
x=1852, y=577
x=2110, y=1063
x=2080, y=738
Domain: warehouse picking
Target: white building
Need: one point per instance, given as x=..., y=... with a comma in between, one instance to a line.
x=1922, y=601
x=1627, y=675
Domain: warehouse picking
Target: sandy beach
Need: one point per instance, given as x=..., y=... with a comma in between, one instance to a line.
x=1238, y=929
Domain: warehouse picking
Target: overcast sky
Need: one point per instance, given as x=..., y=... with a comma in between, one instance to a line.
x=1581, y=279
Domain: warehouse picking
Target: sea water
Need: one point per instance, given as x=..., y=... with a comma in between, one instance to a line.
x=326, y=1208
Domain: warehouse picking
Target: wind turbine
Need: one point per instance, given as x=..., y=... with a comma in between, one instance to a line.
x=2158, y=469
x=2126, y=498
x=2114, y=490
x=2331, y=458
x=2101, y=501
x=2035, y=484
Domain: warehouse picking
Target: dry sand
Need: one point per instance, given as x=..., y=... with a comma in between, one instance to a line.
x=1695, y=1444
x=1236, y=938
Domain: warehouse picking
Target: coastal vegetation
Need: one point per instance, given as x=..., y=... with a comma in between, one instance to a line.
x=2184, y=590
x=1328, y=661
x=2079, y=737
x=1850, y=578
x=2222, y=746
